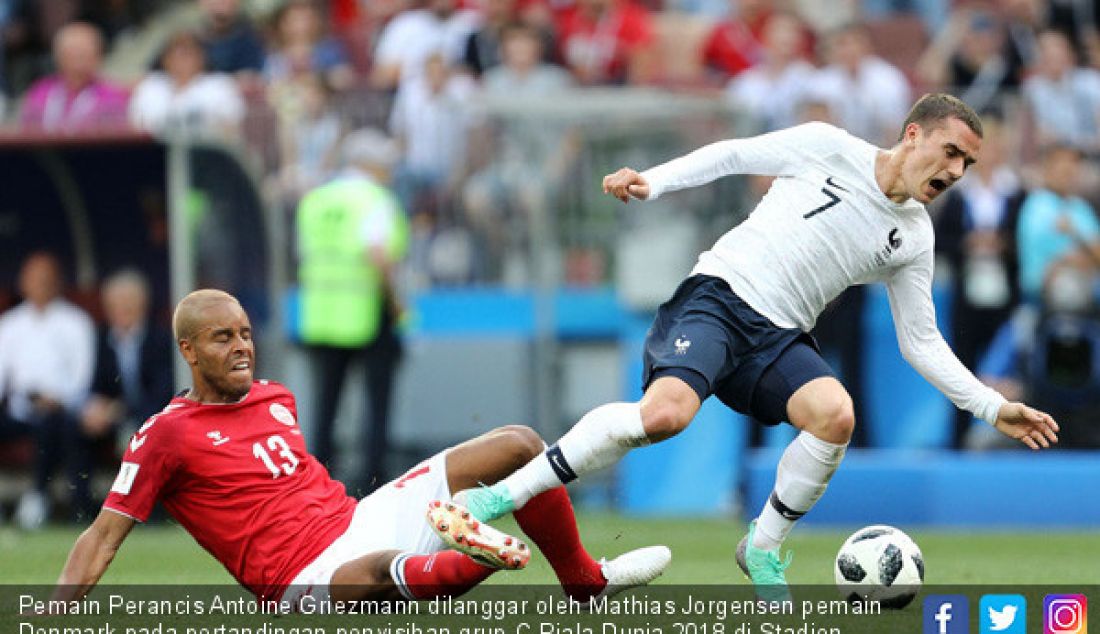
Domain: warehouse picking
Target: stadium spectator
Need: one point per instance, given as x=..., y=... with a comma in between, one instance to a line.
x=46, y=360
x=1047, y=353
x=133, y=363
x=773, y=91
x=867, y=94
x=736, y=42
x=439, y=27
x=352, y=234
x=24, y=54
x=528, y=162
x=1024, y=20
x=76, y=98
x=372, y=21
x=116, y=18
x=309, y=133
x=846, y=212
x=1063, y=98
x=933, y=13
x=733, y=45
x=232, y=45
x=299, y=25
x=184, y=98
x=607, y=42
x=968, y=59
x=430, y=122
x=976, y=233
x=825, y=16
x=1055, y=221
x=483, y=47
x=230, y=448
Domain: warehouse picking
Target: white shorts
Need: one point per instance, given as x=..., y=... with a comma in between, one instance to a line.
x=391, y=518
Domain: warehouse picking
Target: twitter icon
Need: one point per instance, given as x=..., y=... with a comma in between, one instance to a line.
x=1003, y=614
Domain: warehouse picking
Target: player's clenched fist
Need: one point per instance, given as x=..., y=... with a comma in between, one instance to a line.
x=626, y=183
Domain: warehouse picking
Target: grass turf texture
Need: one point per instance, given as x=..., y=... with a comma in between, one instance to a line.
x=702, y=551
x=1019, y=562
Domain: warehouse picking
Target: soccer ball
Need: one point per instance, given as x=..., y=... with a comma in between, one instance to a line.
x=879, y=563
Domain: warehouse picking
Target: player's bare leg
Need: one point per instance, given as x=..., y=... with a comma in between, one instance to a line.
x=548, y=518
x=393, y=574
x=366, y=578
x=490, y=457
x=822, y=410
x=600, y=439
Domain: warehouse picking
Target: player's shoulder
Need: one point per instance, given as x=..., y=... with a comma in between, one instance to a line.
x=822, y=136
x=268, y=391
x=175, y=409
x=162, y=428
x=269, y=387
x=818, y=127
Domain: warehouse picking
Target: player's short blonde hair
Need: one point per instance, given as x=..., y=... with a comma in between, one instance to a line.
x=187, y=319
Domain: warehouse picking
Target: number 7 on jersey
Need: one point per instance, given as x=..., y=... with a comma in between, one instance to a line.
x=833, y=198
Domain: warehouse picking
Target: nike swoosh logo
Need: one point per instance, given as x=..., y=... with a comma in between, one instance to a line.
x=557, y=462
x=136, y=443
x=221, y=442
x=829, y=182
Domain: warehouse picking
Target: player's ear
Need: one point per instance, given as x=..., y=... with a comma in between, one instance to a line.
x=912, y=132
x=188, y=351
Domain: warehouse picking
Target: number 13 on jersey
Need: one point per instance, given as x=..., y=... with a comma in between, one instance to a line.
x=277, y=445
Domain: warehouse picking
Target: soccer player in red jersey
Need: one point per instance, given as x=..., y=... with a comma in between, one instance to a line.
x=228, y=461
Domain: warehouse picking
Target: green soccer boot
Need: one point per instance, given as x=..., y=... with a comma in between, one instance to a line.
x=764, y=568
x=486, y=503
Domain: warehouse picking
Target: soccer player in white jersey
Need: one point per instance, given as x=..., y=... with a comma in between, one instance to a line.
x=840, y=212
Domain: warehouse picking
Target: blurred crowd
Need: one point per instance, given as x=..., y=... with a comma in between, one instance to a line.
x=289, y=79
x=294, y=82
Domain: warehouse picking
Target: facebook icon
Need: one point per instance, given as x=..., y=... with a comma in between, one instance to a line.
x=946, y=614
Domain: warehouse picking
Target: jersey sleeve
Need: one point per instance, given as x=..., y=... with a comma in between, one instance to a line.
x=922, y=345
x=779, y=153
x=150, y=462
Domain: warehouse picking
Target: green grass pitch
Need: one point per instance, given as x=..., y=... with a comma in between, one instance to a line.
x=702, y=553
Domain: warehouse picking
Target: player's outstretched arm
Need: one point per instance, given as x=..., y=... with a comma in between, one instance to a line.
x=91, y=554
x=625, y=184
x=1028, y=425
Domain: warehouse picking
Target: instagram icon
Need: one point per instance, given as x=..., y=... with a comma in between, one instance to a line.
x=1065, y=614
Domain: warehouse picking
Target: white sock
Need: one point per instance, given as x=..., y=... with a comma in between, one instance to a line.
x=397, y=573
x=601, y=438
x=803, y=473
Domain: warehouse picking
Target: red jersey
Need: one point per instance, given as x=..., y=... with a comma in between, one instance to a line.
x=599, y=50
x=239, y=479
x=732, y=47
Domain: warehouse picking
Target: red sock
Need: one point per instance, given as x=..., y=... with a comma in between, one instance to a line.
x=447, y=573
x=549, y=521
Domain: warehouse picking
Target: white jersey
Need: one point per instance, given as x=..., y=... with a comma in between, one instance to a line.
x=823, y=226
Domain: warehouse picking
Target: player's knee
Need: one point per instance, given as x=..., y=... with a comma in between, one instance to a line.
x=834, y=419
x=664, y=418
x=522, y=442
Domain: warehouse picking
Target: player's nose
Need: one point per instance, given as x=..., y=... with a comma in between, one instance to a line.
x=957, y=168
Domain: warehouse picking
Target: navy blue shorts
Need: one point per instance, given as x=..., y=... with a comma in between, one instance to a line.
x=710, y=338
